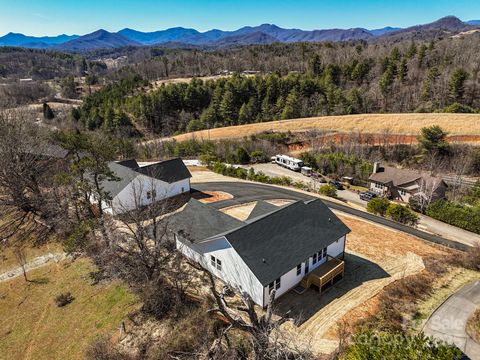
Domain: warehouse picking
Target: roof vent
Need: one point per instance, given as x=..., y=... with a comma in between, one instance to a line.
x=263, y=260
x=329, y=219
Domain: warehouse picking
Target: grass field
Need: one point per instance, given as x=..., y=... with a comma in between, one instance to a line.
x=467, y=125
x=8, y=260
x=33, y=327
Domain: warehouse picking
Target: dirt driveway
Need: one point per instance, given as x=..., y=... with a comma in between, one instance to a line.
x=375, y=257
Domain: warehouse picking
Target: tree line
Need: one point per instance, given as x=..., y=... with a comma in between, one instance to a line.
x=337, y=79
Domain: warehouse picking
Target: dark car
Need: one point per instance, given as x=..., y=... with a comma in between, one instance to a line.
x=367, y=196
x=338, y=185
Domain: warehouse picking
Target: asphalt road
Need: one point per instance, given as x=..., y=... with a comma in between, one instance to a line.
x=247, y=192
x=448, y=322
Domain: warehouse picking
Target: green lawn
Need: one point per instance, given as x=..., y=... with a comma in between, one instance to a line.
x=33, y=327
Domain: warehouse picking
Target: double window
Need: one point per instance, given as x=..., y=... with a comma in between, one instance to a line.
x=299, y=269
x=274, y=285
x=216, y=263
x=318, y=256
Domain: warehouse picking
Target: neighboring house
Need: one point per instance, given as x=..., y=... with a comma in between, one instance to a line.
x=274, y=248
x=139, y=185
x=402, y=184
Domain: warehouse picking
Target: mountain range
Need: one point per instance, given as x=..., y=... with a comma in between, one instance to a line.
x=262, y=34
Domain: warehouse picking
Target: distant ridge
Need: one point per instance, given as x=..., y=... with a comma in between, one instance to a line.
x=262, y=34
x=100, y=39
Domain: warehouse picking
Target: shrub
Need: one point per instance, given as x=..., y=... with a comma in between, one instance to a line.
x=464, y=217
x=378, y=206
x=243, y=157
x=257, y=156
x=384, y=345
x=402, y=214
x=64, y=299
x=459, y=108
x=328, y=190
x=103, y=349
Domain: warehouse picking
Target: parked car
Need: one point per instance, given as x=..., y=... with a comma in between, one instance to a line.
x=338, y=185
x=367, y=196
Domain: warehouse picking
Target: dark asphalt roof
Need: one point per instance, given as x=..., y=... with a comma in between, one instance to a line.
x=198, y=222
x=124, y=176
x=130, y=163
x=261, y=208
x=127, y=170
x=169, y=171
x=270, y=244
x=276, y=243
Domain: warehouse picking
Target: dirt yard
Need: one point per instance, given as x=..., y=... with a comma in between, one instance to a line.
x=466, y=125
x=375, y=257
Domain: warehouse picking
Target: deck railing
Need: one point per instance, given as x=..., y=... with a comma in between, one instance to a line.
x=325, y=273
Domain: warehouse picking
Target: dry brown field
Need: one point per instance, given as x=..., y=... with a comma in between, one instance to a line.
x=461, y=127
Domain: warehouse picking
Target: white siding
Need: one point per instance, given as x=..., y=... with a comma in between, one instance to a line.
x=290, y=279
x=234, y=271
x=135, y=194
x=336, y=249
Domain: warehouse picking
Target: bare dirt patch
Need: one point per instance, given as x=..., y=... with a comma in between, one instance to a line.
x=376, y=257
x=379, y=243
x=240, y=212
x=208, y=197
x=279, y=202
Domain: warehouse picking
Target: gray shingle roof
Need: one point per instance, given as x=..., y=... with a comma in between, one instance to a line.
x=127, y=170
x=397, y=177
x=124, y=175
x=131, y=163
x=262, y=208
x=169, y=171
x=270, y=244
x=198, y=222
x=277, y=242
x=401, y=177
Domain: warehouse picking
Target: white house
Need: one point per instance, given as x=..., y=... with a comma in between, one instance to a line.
x=275, y=248
x=138, y=186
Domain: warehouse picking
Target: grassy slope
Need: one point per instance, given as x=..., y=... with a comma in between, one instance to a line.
x=408, y=124
x=33, y=327
x=8, y=260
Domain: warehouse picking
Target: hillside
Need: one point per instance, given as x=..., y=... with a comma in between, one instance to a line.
x=99, y=39
x=462, y=126
x=247, y=35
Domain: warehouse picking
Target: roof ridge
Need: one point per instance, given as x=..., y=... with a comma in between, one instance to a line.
x=261, y=217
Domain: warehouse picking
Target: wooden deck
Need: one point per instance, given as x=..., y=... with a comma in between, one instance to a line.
x=324, y=274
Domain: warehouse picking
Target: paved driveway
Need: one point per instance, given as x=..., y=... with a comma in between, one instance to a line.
x=448, y=322
x=246, y=192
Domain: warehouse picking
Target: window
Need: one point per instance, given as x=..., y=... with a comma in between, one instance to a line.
x=403, y=192
x=274, y=285
x=324, y=254
x=216, y=263
x=299, y=269
x=315, y=258
x=151, y=194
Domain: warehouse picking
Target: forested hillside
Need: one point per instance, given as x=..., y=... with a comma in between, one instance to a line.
x=298, y=80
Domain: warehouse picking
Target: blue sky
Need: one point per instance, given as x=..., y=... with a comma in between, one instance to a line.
x=51, y=17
